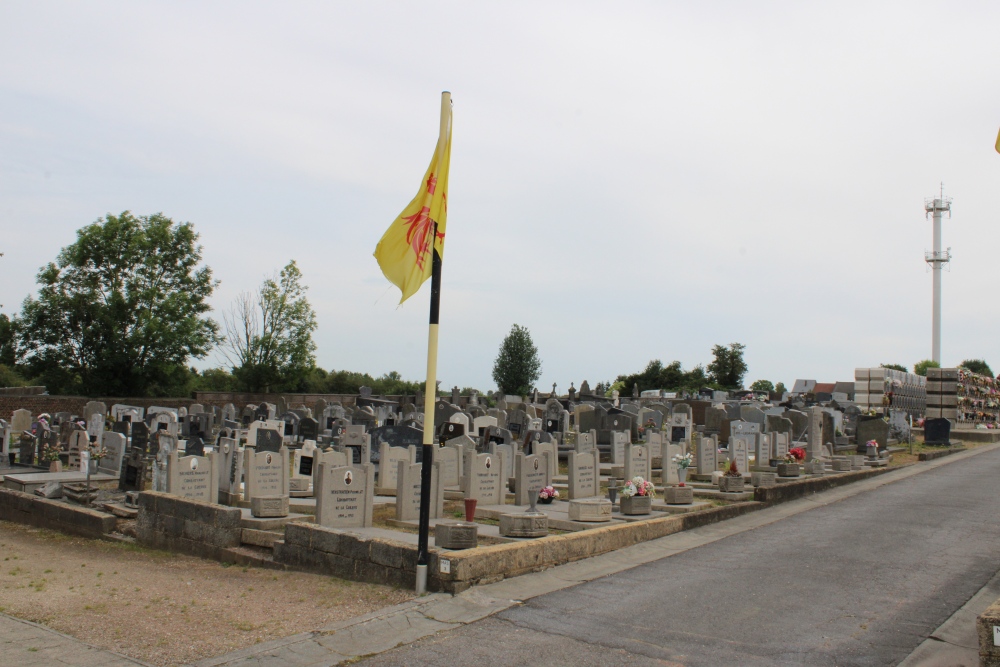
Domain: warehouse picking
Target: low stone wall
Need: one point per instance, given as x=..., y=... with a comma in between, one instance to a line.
x=40, y=512
x=989, y=652
x=932, y=454
x=188, y=526
x=349, y=556
x=52, y=404
x=786, y=491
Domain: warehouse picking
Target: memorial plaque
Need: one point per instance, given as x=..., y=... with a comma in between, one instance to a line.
x=344, y=496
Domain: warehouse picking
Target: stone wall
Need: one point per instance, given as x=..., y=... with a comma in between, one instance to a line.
x=32, y=510
x=791, y=490
x=38, y=404
x=317, y=549
x=188, y=526
x=989, y=651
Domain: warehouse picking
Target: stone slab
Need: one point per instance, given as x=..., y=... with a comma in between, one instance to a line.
x=28, y=482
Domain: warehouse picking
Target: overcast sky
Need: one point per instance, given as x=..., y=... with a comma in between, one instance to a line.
x=629, y=180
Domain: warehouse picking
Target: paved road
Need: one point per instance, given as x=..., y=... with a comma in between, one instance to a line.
x=859, y=582
x=24, y=644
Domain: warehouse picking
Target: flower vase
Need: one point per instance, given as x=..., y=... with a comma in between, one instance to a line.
x=93, y=466
x=789, y=470
x=635, y=505
x=55, y=466
x=545, y=501
x=682, y=475
x=872, y=451
x=470, y=509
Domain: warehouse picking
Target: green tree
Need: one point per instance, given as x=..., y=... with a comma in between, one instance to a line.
x=213, y=379
x=780, y=388
x=762, y=385
x=10, y=378
x=975, y=365
x=120, y=311
x=8, y=342
x=728, y=368
x=920, y=368
x=895, y=367
x=517, y=366
x=269, y=335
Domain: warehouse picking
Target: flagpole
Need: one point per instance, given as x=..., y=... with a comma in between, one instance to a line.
x=430, y=390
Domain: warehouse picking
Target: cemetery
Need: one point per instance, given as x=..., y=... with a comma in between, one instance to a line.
x=332, y=485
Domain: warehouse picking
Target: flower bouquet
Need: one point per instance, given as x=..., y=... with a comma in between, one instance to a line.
x=683, y=462
x=792, y=464
x=637, y=496
x=547, y=495
x=871, y=448
x=50, y=453
x=731, y=480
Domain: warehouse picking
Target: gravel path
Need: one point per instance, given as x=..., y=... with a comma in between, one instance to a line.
x=163, y=608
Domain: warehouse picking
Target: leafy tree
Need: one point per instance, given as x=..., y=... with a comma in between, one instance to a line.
x=8, y=342
x=10, y=378
x=975, y=365
x=269, y=334
x=762, y=385
x=213, y=379
x=517, y=366
x=728, y=368
x=895, y=367
x=920, y=368
x=780, y=388
x=120, y=311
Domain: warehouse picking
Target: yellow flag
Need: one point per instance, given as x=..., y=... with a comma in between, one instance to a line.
x=998, y=142
x=404, y=253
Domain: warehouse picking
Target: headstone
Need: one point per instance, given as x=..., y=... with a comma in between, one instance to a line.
x=193, y=477
x=268, y=440
x=388, y=465
x=114, y=443
x=780, y=444
x=586, y=441
x=706, y=455
x=133, y=475
x=583, y=474
x=936, y=432
x=265, y=474
x=308, y=428
x=530, y=476
x=619, y=439
x=448, y=461
x=871, y=428
x=344, y=495
x=194, y=446
x=358, y=442
x=230, y=472
x=637, y=462
x=505, y=454
x=740, y=446
x=21, y=421
x=408, y=484
x=763, y=453
x=484, y=479
x=78, y=442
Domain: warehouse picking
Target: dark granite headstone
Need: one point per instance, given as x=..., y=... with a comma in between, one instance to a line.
x=451, y=430
x=195, y=446
x=306, y=465
x=871, y=428
x=268, y=440
x=140, y=436
x=308, y=428
x=937, y=432
x=133, y=474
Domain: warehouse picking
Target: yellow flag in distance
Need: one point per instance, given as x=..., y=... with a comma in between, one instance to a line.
x=404, y=253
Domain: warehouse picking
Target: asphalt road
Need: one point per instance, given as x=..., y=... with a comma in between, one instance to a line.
x=858, y=582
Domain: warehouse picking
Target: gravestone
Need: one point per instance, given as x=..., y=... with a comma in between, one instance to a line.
x=229, y=412
x=20, y=421
x=936, y=432
x=389, y=459
x=268, y=440
x=344, y=495
x=654, y=440
x=115, y=443
x=762, y=453
x=800, y=423
x=448, y=461
x=780, y=444
x=133, y=475
x=78, y=442
x=706, y=454
x=530, y=476
x=95, y=427
x=358, y=442
x=505, y=454
x=619, y=440
x=484, y=479
x=194, y=446
x=637, y=463
x=308, y=428
x=670, y=476
x=779, y=423
x=754, y=415
x=230, y=466
x=265, y=477
x=408, y=492
x=583, y=474
x=95, y=408
x=480, y=424
x=333, y=459
x=586, y=441
x=193, y=477
x=713, y=420
x=740, y=447
x=871, y=428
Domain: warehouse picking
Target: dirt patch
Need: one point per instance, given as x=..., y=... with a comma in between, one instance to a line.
x=165, y=608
